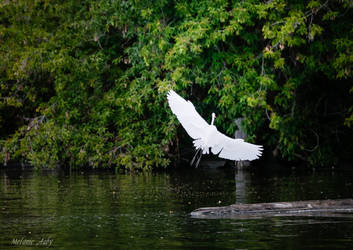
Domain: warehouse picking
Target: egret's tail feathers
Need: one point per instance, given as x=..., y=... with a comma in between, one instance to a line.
x=200, y=144
x=197, y=143
x=201, y=149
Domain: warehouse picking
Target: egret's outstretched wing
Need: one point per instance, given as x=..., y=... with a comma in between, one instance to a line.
x=187, y=115
x=234, y=149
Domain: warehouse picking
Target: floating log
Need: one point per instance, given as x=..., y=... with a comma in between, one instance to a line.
x=343, y=207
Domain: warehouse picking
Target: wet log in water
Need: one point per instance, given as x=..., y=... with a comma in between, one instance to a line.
x=343, y=207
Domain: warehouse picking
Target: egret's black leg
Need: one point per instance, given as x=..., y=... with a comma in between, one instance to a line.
x=198, y=161
x=193, y=159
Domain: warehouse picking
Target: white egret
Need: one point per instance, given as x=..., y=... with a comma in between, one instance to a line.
x=206, y=136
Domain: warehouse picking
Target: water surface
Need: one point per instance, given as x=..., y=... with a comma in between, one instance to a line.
x=106, y=210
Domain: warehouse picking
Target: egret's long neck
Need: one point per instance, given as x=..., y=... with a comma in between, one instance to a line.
x=212, y=121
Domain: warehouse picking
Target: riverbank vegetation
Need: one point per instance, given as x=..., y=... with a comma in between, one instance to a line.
x=84, y=82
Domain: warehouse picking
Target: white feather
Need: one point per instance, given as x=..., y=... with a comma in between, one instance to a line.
x=207, y=136
x=237, y=149
x=187, y=115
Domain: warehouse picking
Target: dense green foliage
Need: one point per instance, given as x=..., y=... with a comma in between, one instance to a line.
x=84, y=82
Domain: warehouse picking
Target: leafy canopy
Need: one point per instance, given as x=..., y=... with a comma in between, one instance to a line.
x=84, y=82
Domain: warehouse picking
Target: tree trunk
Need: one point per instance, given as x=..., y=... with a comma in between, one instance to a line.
x=343, y=207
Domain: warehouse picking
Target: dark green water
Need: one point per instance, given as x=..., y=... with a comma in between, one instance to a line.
x=103, y=210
